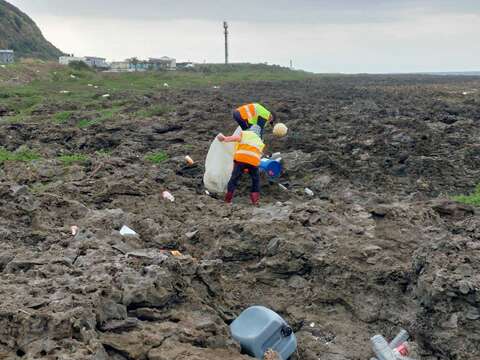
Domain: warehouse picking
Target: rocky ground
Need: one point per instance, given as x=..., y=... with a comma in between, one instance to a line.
x=378, y=247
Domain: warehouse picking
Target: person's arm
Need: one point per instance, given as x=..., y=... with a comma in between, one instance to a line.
x=233, y=138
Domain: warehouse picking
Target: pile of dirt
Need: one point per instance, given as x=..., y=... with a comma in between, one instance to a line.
x=375, y=249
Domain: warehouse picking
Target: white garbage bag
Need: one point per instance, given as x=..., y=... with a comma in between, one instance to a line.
x=219, y=165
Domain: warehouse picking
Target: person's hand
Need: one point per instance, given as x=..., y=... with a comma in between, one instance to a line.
x=221, y=137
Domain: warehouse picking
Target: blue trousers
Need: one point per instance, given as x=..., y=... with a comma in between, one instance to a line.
x=238, y=170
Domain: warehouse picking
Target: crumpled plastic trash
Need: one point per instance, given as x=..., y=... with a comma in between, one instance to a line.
x=126, y=231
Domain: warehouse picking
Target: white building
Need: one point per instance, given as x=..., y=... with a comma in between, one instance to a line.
x=97, y=62
x=163, y=63
x=7, y=57
x=91, y=61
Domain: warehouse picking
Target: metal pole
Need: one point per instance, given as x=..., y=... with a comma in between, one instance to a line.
x=225, y=26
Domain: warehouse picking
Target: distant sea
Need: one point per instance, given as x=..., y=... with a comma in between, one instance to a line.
x=455, y=73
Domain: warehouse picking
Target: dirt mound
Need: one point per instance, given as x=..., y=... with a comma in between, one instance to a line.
x=375, y=248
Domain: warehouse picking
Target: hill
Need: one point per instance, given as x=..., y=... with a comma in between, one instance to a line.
x=20, y=33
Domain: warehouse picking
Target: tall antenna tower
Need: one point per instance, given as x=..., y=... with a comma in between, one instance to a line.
x=225, y=26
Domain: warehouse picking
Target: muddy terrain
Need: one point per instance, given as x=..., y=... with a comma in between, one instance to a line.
x=378, y=247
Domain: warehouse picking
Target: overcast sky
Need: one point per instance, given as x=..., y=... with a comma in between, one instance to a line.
x=349, y=36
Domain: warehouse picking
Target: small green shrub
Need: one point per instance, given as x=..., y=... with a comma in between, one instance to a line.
x=85, y=123
x=472, y=199
x=157, y=157
x=62, y=117
x=79, y=66
x=24, y=155
x=73, y=158
x=155, y=110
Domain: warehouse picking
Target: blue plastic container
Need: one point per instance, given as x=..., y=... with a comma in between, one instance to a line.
x=258, y=329
x=272, y=168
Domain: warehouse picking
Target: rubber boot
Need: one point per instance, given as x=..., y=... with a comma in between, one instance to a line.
x=255, y=197
x=229, y=197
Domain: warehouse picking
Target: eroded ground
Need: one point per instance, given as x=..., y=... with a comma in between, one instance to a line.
x=377, y=248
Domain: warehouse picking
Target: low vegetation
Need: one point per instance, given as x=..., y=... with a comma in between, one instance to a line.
x=73, y=158
x=157, y=158
x=471, y=199
x=24, y=155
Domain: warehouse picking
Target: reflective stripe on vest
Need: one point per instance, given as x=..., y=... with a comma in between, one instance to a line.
x=248, y=112
x=249, y=149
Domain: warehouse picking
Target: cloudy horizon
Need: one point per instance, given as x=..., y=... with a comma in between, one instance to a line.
x=348, y=36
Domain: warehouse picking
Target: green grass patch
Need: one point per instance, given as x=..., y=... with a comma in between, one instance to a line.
x=23, y=155
x=472, y=199
x=62, y=117
x=155, y=110
x=84, y=123
x=157, y=158
x=73, y=159
x=104, y=153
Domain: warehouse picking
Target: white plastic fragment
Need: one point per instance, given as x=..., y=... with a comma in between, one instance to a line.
x=309, y=192
x=73, y=76
x=90, y=85
x=74, y=229
x=3, y=66
x=207, y=192
x=283, y=187
x=64, y=92
x=126, y=231
x=106, y=96
x=312, y=324
x=168, y=196
x=96, y=87
x=165, y=85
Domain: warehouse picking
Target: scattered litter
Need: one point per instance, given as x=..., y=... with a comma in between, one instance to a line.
x=309, y=192
x=283, y=187
x=126, y=231
x=38, y=71
x=312, y=324
x=256, y=326
x=191, y=235
x=207, y=192
x=74, y=229
x=165, y=85
x=3, y=66
x=398, y=340
x=216, y=87
x=271, y=355
x=64, y=92
x=465, y=93
x=280, y=130
x=176, y=253
x=90, y=85
x=168, y=196
x=106, y=96
x=189, y=160
x=396, y=349
x=73, y=76
x=96, y=87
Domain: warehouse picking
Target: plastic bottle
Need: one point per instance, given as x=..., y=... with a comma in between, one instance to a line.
x=398, y=340
x=309, y=192
x=168, y=196
x=402, y=350
x=382, y=349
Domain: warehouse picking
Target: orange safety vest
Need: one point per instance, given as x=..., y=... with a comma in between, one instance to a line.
x=248, y=112
x=249, y=149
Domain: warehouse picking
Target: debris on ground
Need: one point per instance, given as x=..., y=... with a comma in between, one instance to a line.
x=126, y=231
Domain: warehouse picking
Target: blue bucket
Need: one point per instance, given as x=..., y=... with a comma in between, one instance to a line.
x=272, y=168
